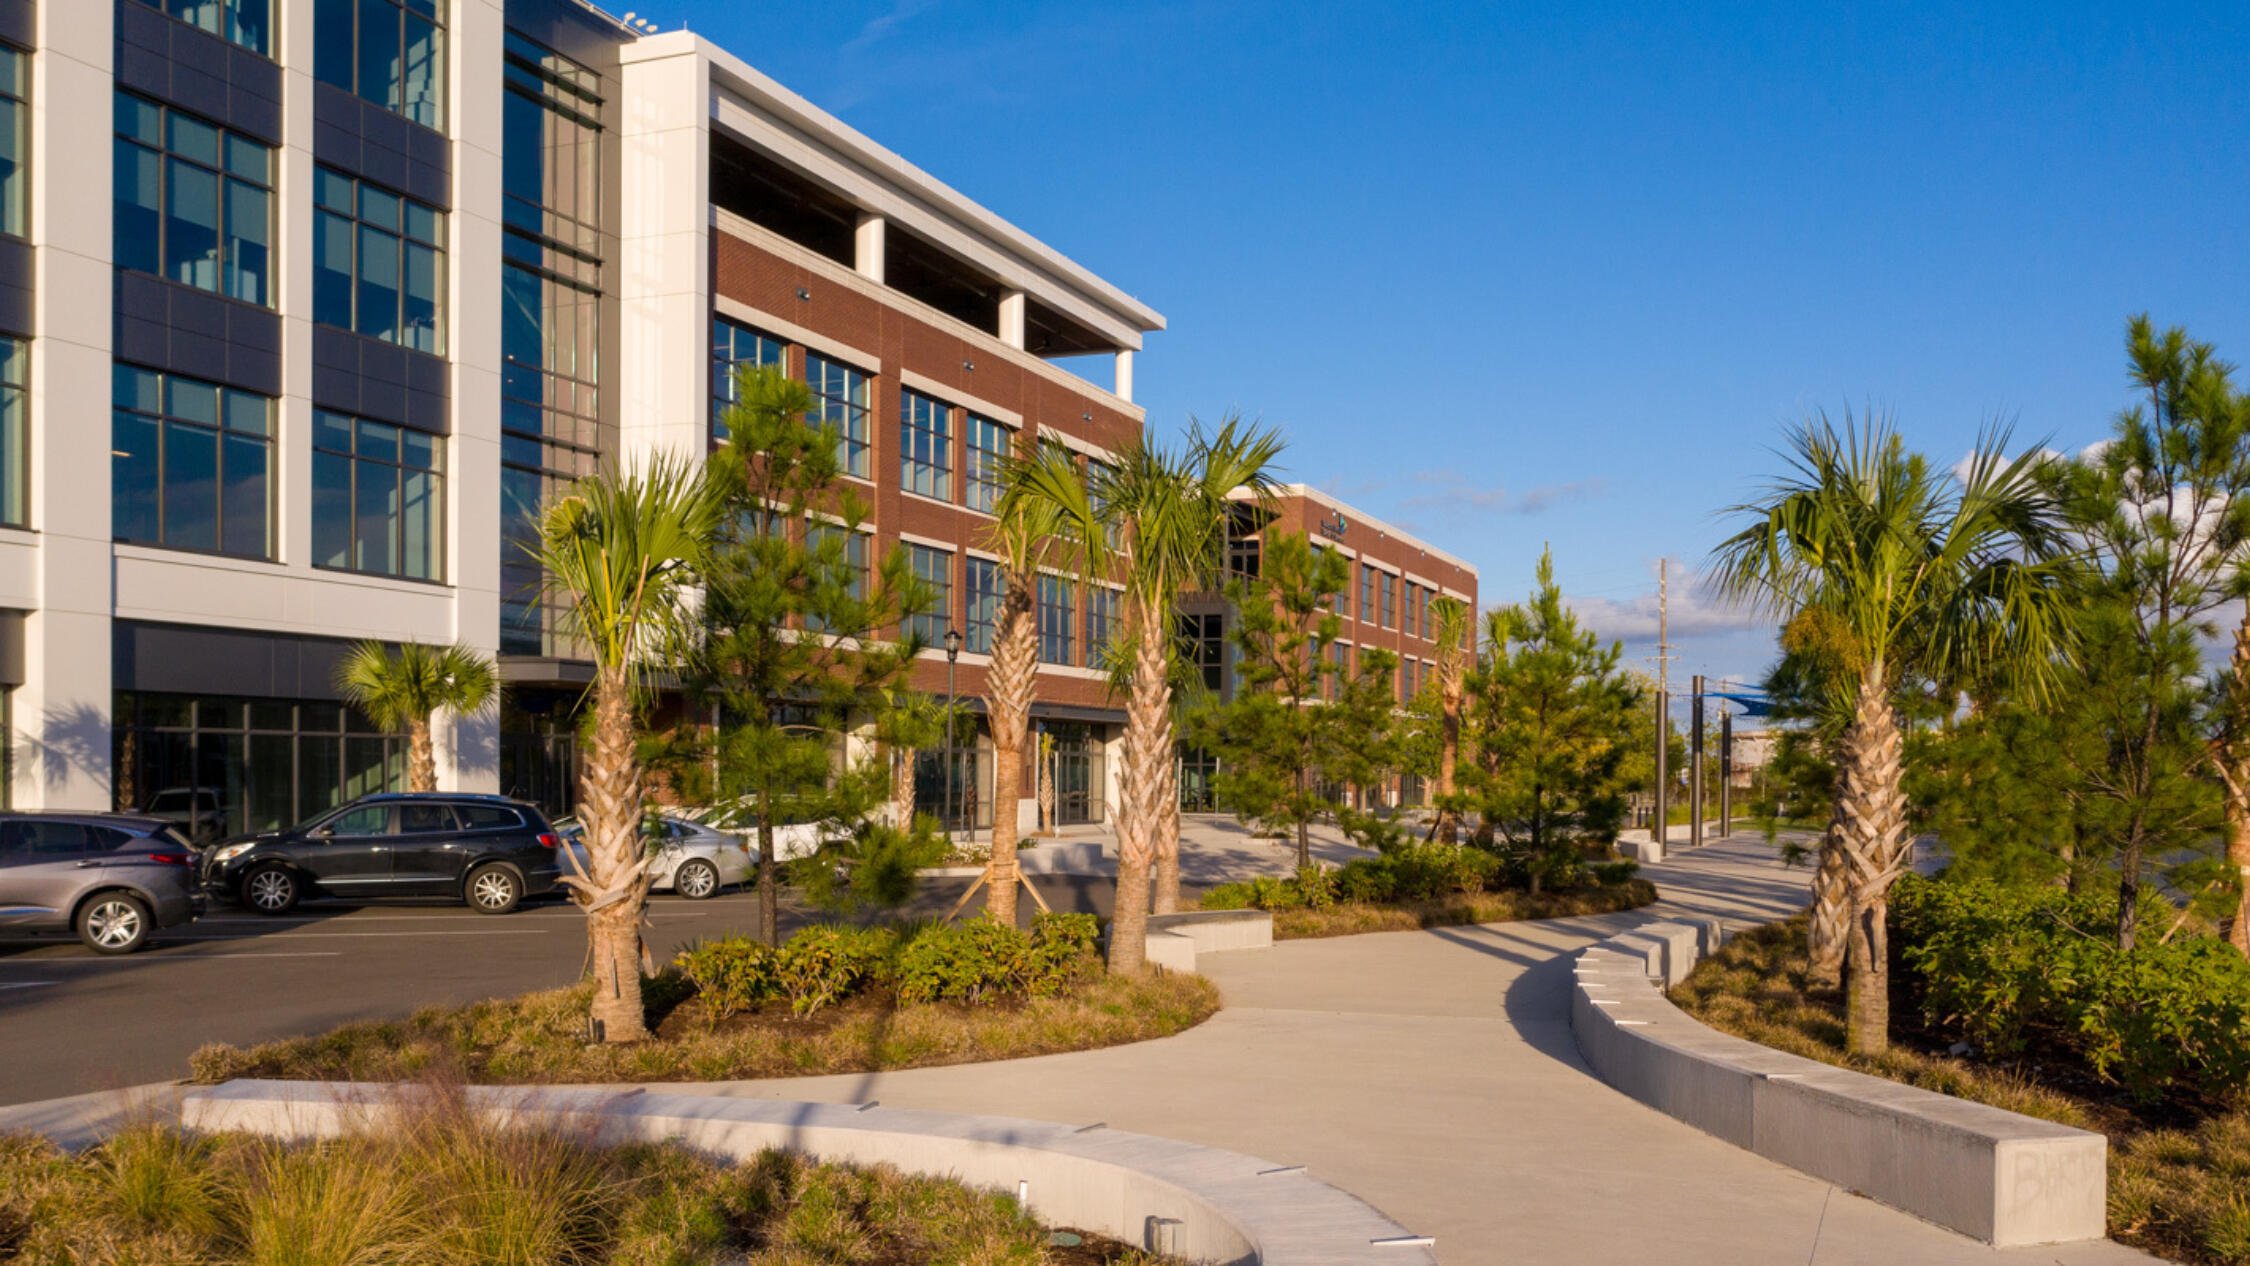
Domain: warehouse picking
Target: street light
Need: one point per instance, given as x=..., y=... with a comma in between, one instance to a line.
x=952, y=667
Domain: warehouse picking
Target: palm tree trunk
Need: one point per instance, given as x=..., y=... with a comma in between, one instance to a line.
x=1167, y=899
x=1011, y=684
x=902, y=787
x=1447, y=829
x=1872, y=819
x=1141, y=785
x=1830, y=921
x=421, y=756
x=609, y=795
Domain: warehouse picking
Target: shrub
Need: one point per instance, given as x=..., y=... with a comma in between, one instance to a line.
x=1063, y=951
x=2011, y=967
x=1234, y=896
x=825, y=964
x=1611, y=874
x=963, y=962
x=1316, y=886
x=731, y=975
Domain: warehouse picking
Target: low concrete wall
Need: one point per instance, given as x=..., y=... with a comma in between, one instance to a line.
x=1215, y=930
x=1196, y=1202
x=1080, y=857
x=2004, y=1178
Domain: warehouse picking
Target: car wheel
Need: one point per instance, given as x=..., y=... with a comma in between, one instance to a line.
x=270, y=890
x=696, y=880
x=494, y=889
x=114, y=923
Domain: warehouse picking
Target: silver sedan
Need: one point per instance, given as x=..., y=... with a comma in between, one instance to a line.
x=689, y=858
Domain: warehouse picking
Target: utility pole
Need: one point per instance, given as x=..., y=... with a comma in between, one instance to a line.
x=1658, y=829
x=1726, y=772
x=1695, y=768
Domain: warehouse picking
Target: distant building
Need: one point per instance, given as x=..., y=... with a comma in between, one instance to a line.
x=306, y=304
x=1386, y=603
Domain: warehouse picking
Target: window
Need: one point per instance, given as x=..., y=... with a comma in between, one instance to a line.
x=425, y=819
x=189, y=463
x=1101, y=480
x=925, y=445
x=1390, y=600
x=989, y=446
x=1207, y=635
x=734, y=344
x=245, y=22
x=1242, y=554
x=488, y=817
x=1411, y=590
x=15, y=142
x=1058, y=622
x=1366, y=594
x=15, y=433
x=1339, y=663
x=378, y=262
x=193, y=202
x=378, y=498
x=842, y=392
x=232, y=764
x=1406, y=681
x=1101, y=621
x=984, y=604
x=934, y=567
x=851, y=551
x=390, y=52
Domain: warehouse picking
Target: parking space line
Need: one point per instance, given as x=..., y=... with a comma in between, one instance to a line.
x=311, y=936
x=26, y=984
x=147, y=959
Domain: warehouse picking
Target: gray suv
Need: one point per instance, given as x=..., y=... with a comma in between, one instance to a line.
x=110, y=878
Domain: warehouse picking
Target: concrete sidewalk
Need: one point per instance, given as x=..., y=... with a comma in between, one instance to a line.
x=1434, y=1075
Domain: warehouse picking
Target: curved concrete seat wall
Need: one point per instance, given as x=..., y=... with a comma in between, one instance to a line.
x=2002, y=1177
x=1197, y=1203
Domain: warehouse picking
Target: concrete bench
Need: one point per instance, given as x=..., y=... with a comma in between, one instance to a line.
x=1198, y=1203
x=2005, y=1178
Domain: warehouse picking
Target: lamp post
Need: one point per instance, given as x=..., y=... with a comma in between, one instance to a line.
x=952, y=668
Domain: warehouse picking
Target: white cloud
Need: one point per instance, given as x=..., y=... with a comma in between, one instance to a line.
x=1695, y=610
x=880, y=28
x=1450, y=490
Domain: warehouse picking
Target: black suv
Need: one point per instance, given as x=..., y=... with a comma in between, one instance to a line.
x=489, y=851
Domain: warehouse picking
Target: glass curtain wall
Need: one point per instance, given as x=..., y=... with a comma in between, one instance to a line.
x=236, y=764
x=550, y=315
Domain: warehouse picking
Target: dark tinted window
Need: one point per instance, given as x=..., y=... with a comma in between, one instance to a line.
x=366, y=819
x=488, y=817
x=424, y=818
x=106, y=838
x=44, y=839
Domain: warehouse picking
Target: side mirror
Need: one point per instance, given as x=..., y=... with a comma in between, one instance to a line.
x=324, y=832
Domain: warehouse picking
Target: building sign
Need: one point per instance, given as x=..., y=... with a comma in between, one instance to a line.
x=1333, y=529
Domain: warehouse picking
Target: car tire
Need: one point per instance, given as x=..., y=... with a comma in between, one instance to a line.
x=696, y=879
x=115, y=923
x=272, y=890
x=493, y=890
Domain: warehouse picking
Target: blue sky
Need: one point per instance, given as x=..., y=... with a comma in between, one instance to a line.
x=1515, y=274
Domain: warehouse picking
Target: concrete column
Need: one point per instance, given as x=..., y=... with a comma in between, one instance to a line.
x=664, y=238
x=469, y=746
x=1125, y=374
x=62, y=712
x=868, y=241
x=1012, y=305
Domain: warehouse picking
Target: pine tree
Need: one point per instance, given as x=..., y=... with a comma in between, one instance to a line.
x=803, y=635
x=1304, y=720
x=1554, y=717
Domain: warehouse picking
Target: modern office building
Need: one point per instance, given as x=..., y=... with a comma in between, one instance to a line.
x=306, y=303
x=1392, y=579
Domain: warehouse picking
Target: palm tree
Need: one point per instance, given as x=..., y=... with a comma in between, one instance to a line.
x=1904, y=579
x=1044, y=518
x=618, y=550
x=1454, y=625
x=400, y=692
x=1173, y=509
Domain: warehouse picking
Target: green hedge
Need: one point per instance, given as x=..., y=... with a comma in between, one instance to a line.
x=1408, y=872
x=971, y=961
x=2018, y=969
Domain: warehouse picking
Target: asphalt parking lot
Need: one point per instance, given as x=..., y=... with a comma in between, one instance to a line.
x=71, y=1021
